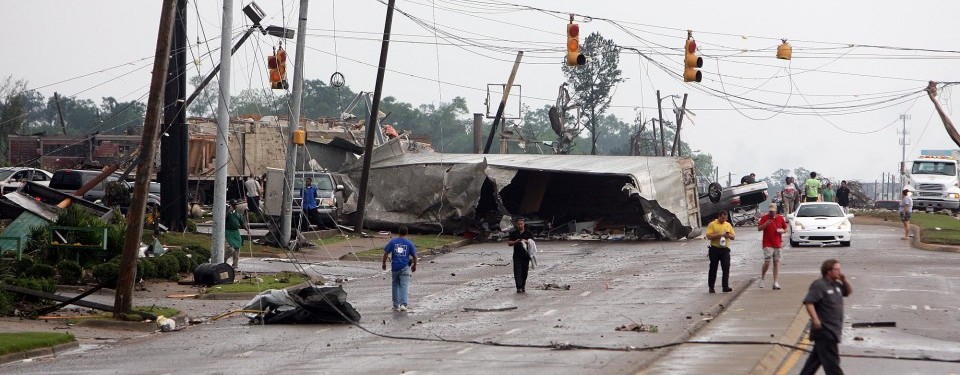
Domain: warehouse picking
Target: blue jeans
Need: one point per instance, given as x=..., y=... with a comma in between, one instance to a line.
x=401, y=283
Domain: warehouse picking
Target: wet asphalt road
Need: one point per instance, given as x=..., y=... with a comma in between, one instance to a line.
x=611, y=284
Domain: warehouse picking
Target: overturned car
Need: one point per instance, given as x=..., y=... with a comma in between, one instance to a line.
x=654, y=196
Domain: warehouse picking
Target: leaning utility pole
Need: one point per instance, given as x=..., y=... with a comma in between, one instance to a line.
x=219, y=241
x=503, y=102
x=372, y=120
x=123, y=302
x=676, y=137
x=173, y=174
x=63, y=125
x=286, y=220
x=663, y=151
x=952, y=131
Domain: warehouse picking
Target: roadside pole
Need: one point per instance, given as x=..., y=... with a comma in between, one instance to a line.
x=663, y=151
x=223, y=126
x=123, y=301
x=676, y=137
x=286, y=220
x=503, y=102
x=372, y=120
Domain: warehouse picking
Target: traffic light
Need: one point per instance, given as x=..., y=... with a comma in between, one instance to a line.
x=277, y=63
x=691, y=62
x=574, y=57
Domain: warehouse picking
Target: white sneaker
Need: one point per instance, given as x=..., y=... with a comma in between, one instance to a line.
x=760, y=284
x=403, y=308
x=776, y=286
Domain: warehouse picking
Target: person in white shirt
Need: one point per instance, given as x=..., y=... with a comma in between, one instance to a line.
x=252, y=187
x=906, y=208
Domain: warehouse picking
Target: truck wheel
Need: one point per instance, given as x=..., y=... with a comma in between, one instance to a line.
x=714, y=190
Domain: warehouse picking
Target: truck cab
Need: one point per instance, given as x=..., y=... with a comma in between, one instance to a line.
x=934, y=183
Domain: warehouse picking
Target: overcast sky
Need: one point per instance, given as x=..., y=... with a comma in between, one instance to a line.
x=93, y=49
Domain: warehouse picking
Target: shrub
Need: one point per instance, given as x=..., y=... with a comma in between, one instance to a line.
x=41, y=271
x=191, y=226
x=147, y=269
x=70, y=272
x=186, y=261
x=22, y=265
x=6, y=303
x=42, y=285
x=200, y=254
x=168, y=267
x=107, y=272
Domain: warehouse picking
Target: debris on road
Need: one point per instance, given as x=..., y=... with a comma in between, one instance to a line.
x=639, y=328
x=556, y=286
x=492, y=309
x=166, y=324
x=307, y=305
x=873, y=324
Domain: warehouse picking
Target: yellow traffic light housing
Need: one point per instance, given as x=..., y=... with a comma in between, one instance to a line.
x=277, y=65
x=784, y=51
x=574, y=57
x=691, y=62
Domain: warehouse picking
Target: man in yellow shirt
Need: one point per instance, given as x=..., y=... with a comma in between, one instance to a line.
x=720, y=233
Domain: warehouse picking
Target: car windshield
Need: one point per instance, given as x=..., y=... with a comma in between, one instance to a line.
x=945, y=168
x=321, y=181
x=820, y=210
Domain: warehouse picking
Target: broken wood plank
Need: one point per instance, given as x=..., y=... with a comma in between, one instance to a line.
x=47, y=310
x=58, y=298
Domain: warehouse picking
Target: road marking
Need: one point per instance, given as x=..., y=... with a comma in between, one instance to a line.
x=794, y=357
x=550, y=312
x=867, y=307
x=428, y=296
x=911, y=290
x=464, y=350
x=903, y=307
x=584, y=294
x=512, y=331
x=323, y=330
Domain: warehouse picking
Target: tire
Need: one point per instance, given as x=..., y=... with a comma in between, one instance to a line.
x=714, y=190
x=845, y=243
x=796, y=244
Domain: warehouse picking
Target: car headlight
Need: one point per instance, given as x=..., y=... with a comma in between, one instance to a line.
x=953, y=195
x=797, y=225
x=844, y=225
x=328, y=202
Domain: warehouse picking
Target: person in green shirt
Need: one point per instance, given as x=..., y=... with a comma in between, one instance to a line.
x=813, y=188
x=232, y=233
x=829, y=195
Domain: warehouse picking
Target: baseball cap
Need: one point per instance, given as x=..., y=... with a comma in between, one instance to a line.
x=773, y=207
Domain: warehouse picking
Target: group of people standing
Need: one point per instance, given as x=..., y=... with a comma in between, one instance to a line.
x=813, y=191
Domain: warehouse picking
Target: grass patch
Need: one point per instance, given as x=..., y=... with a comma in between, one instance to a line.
x=158, y=310
x=422, y=242
x=253, y=285
x=204, y=240
x=948, y=234
x=14, y=342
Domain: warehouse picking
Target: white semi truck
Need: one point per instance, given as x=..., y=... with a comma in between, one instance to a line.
x=934, y=183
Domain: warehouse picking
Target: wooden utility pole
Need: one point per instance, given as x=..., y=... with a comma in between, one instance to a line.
x=372, y=120
x=151, y=127
x=503, y=103
x=477, y=133
x=952, y=131
x=676, y=137
x=663, y=145
x=56, y=99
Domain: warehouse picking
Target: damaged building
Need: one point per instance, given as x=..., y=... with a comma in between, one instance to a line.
x=647, y=197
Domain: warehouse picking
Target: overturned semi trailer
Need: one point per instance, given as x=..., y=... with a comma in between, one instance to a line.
x=453, y=192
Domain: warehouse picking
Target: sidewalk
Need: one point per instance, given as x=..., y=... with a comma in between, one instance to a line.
x=759, y=315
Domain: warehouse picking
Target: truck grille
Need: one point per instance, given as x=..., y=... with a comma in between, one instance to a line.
x=929, y=194
x=936, y=187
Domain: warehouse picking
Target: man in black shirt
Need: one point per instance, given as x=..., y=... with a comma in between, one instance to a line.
x=748, y=179
x=843, y=195
x=521, y=260
x=824, y=304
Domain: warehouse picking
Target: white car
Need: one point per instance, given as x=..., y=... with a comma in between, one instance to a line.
x=819, y=223
x=11, y=178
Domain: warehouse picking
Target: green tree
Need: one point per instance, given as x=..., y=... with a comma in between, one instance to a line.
x=593, y=82
x=205, y=104
x=122, y=117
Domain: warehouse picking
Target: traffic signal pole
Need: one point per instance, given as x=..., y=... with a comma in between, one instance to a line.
x=286, y=220
x=123, y=301
x=503, y=102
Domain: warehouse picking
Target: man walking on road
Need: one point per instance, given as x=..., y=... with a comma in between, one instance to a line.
x=906, y=209
x=403, y=262
x=812, y=188
x=843, y=196
x=773, y=227
x=720, y=233
x=824, y=304
x=521, y=259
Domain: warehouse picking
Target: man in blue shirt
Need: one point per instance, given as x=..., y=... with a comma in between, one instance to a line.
x=403, y=262
x=310, y=208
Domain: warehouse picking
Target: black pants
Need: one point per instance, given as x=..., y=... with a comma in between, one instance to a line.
x=253, y=204
x=521, y=265
x=825, y=353
x=722, y=256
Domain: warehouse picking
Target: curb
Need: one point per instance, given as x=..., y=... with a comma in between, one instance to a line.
x=443, y=249
x=777, y=356
x=38, y=352
x=916, y=242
